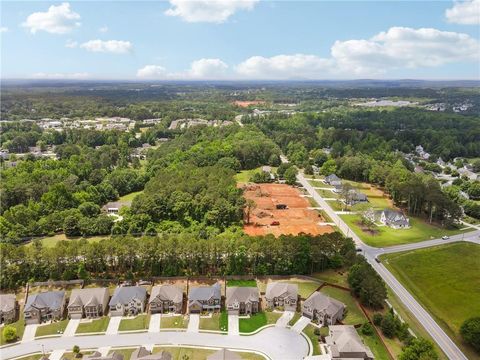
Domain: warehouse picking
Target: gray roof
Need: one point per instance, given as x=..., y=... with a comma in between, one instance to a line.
x=125, y=294
x=395, y=217
x=97, y=356
x=167, y=293
x=242, y=294
x=332, y=177
x=276, y=289
x=355, y=195
x=324, y=303
x=144, y=354
x=7, y=302
x=88, y=296
x=344, y=340
x=224, y=354
x=204, y=292
x=49, y=299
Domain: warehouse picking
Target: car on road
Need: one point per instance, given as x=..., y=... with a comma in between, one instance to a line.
x=358, y=249
x=377, y=260
x=445, y=237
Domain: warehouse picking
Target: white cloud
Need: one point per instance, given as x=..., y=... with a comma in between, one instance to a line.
x=404, y=47
x=56, y=20
x=108, y=46
x=152, y=72
x=71, y=44
x=294, y=66
x=212, y=11
x=464, y=12
x=61, y=76
x=103, y=29
x=3, y=29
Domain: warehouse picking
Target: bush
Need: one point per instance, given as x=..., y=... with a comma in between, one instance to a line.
x=419, y=349
x=377, y=319
x=367, y=329
x=388, y=325
x=9, y=333
x=470, y=331
x=316, y=331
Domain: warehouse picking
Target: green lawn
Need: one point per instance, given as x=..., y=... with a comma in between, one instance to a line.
x=326, y=193
x=52, y=241
x=354, y=313
x=127, y=353
x=305, y=288
x=386, y=236
x=19, y=325
x=338, y=277
x=97, y=325
x=295, y=318
x=337, y=205
x=71, y=356
x=174, y=322
x=218, y=322
x=245, y=175
x=241, y=283
x=309, y=331
x=258, y=320
x=181, y=353
x=129, y=197
x=139, y=322
x=446, y=280
x=375, y=344
x=56, y=328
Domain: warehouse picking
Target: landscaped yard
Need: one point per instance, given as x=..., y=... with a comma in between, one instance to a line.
x=446, y=280
x=386, y=236
x=217, y=322
x=97, y=325
x=338, y=277
x=336, y=205
x=139, y=322
x=241, y=283
x=328, y=194
x=309, y=331
x=19, y=325
x=56, y=328
x=129, y=197
x=354, y=313
x=174, y=322
x=375, y=344
x=305, y=288
x=258, y=320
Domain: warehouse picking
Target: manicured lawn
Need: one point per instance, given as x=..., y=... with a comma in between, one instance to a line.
x=129, y=197
x=19, y=325
x=241, y=283
x=446, y=280
x=245, y=175
x=218, y=322
x=181, y=353
x=309, y=331
x=31, y=357
x=56, y=328
x=52, y=241
x=375, y=344
x=139, y=322
x=258, y=320
x=386, y=236
x=305, y=288
x=354, y=313
x=174, y=322
x=97, y=325
x=337, y=205
x=295, y=318
x=338, y=277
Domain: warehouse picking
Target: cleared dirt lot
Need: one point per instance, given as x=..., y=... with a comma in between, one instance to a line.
x=295, y=219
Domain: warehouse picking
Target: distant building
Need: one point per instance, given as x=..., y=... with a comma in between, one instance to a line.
x=333, y=180
x=113, y=207
x=343, y=342
x=354, y=197
x=143, y=354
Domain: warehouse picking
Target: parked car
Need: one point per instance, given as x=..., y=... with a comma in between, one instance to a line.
x=445, y=237
x=377, y=260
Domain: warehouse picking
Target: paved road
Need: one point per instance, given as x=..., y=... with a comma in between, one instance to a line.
x=370, y=253
x=275, y=342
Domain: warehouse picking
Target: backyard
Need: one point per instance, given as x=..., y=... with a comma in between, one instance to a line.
x=354, y=315
x=439, y=279
x=241, y=283
x=94, y=326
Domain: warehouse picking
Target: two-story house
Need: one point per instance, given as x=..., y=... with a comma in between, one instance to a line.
x=89, y=303
x=44, y=306
x=166, y=298
x=242, y=300
x=323, y=309
x=204, y=298
x=8, y=308
x=128, y=300
x=282, y=295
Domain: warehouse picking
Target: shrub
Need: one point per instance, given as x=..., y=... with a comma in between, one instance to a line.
x=377, y=319
x=9, y=333
x=388, y=325
x=470, y=331
x=367, y=329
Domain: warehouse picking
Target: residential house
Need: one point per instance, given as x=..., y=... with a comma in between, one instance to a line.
x=338, y=188
x=113, y=207
x=224, y=354
x=242, y=300
x=333, y=180
x=44, y=306
x=204, y=298
x=166, y=298
x=392, y=218
x=97, y=356
x=128, y=300
x=323, y=309
x=8, y=308
x=343, y=342
x=282, y=294
x=89, y=303
x=354, y=197
x=143, y=354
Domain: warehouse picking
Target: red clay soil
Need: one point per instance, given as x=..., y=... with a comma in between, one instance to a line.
x=296, y=219
x=248, y=103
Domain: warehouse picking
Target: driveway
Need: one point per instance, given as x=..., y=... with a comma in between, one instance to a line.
x=71, y=328
x=193, y=323
x=285, y=318
x=56, y=355
x=154, y=325
x=301, y=324
x=233, y=327
x=113, y=325
x=29, y=333
x=274, y=342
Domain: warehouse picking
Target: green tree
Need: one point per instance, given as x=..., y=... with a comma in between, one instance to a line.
x=9, y=333
x=419, y=349
x=470, y=331
x=71, y=226
x=388, y=325
x=291, y=175
x=328, y=167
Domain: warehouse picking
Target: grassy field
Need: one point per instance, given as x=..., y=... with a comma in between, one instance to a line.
x=446, y=280
x=338, y=277
x=258, y=320
x=386, y=236
x=97, y=325
x=174, y=322
x=56, y=328
x=129, y=197
x=52, y=241
x=241, y=283
x=305, y=288
x=245, y=175
x=354, y=313
x=218, y=322
x=309, y=331
x=139, y=322
x=19, y=325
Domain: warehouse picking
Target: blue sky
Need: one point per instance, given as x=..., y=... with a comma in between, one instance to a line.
x=240, y=39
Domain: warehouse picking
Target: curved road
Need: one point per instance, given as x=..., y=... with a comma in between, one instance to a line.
x=370, y=253
x=275, y=342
